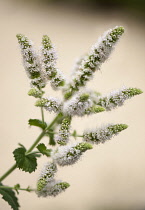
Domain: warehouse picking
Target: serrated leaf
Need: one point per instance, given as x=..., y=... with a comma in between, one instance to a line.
x=38, y=123
x=9, y=196
x=21, y=145
x=27, y=163
x=43, y=149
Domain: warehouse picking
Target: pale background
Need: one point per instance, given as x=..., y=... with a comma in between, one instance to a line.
x=111, y=176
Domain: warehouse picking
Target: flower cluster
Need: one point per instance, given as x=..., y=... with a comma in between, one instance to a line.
x=49, y=58
x=70, y=154
x=64, y=132
x=101, y=135
x=50, y=104
x=53, y=189
x=76, y=102
x=31, y=62
x=78, y=105
x=47, y=185
x=92, y=62
x=40, y=67
x=117, y=98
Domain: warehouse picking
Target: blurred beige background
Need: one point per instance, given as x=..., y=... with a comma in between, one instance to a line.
x=111, y=176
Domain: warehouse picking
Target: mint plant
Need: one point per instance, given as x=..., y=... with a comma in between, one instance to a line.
x=63, y=147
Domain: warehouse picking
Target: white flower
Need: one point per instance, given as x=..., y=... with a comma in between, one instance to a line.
x=47, y=175
x=70, y=154
x=49, y=58
x=50, y=104
x=77, y=105
x=53, y=188
x=117, y=98
x=100, y=135
x=31, y=61
x=63, y=136
x=92, y=62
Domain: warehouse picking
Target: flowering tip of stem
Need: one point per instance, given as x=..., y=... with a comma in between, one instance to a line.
x=118, y=128
x=101, y=135
x=46, y=41
x=41, y=102
x=84, y=146
x=35, y=93
x=119, y=30
x=53, y=188
x=47, y=175
x=134, y=91
x=84, y=97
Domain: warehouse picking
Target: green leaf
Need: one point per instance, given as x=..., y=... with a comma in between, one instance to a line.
x=27, y=163
x=43, y=149
x=38, y=123
x=9, y=196
x=50, y=134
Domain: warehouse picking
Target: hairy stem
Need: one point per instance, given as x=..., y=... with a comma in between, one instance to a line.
x=13, y=188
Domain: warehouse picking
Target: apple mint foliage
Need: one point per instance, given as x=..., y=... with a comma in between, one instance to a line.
x=101, y=135
x=43, y=150
x=64, y=147
x=10, y=197
x=37, y=123
x=25, y=162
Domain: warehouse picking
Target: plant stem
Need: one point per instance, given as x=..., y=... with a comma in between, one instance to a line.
x=8, y=172
x=36, y=142
x=42, y=114
x=42, y=134
x=32, y=146
x=13, y=188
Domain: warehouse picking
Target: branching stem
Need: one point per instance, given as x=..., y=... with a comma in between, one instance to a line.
x=28, y=189
x=32, y=146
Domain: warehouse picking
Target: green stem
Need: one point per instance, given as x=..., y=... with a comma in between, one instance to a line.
x=36, y=142
x=42, y=134
x=32, y=147
x=42, y=114
x=8, y=172
x=13, y=188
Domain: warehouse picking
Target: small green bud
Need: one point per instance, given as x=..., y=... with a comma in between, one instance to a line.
x=35, y=93
x=41, y=102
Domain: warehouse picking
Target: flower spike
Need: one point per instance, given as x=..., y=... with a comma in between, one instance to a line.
x=49, y=58
x=117, y=98
x=50, y=104
x=46, y=176
x=53, y=188
x=92, y=62
x=63, y=136
x=78, y=105
x=70, y=154
x=103, y=134
x=31, y=62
